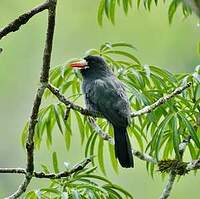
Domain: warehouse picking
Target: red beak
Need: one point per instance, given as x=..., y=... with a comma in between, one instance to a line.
x=80, y=64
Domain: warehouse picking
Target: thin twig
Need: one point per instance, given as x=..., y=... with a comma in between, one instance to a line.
x=146, y=109
x=78, y=167
x=22, y=19
x=97, y=128
x=162, y=100
x=105, y=136
x=144, y=156
x=193, y=165
x=37, y=101
x=13, y=170
x=70, y=104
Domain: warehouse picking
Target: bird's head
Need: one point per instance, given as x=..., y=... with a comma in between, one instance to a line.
x=91, y=65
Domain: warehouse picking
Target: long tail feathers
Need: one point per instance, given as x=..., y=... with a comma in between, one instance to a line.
x=123, y=147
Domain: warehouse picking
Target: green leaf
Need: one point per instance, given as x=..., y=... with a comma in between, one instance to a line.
x=112, y=151
x=65, y=195
x=67, y=135
x=118, y=188
x=55, y=162
x=175, y=136
x=80, y=126
x=92, y=187
x=190, y=128
x=113, y=192
x=112, y=10
x=172, y=9
x=45, y=168
x=58, y=118
x=147, y=70
x=66, y=85
x=24, y=134
x=96, y=177
x=49, y=133
x=100, y=155
x=100, y=12
x=31, y=195
x=107, y=8
x=90, y=194
x=160, y=132
x=75, y=194
x=92, y=146
x=50, y=190
x=138, y=137
x=192, y=151
x=87, y=146
x=138, y=3
x=125, y=6
x=123, y=44
x=163, y=74
x=92, y=52
x=118, y=52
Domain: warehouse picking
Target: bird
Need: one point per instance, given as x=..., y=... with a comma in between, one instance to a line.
x=105, y=94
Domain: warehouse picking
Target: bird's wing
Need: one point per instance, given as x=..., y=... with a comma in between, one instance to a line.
x=109, y=98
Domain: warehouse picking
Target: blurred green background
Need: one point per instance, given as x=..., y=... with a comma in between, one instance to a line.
x=173, y=47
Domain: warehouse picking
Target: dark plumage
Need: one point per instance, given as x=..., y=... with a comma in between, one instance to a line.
x=104, y=93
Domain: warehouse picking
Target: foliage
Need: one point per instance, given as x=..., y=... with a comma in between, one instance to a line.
x=108, y=8
x=81, y=184
x=159, y=133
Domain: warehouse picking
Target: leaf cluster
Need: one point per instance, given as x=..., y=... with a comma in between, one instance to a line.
x=108, y=8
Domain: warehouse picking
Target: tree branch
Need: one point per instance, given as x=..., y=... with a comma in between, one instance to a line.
x=105, y=136
x=193, y=165
x=172, y=174
x=23, y=19
x=101, y=133
x=168, y=186
x=37, y=101
x=70, y=104
x=162, y=100
x=78, y=167
x=13, y=170
x=146, y=109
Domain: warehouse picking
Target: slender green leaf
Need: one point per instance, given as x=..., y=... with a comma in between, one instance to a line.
x=55, y=162
x=80, y=126
x=112, y=152
x=58, y=118
x=190, y=129
x=75, y=194
x=172, y=9
x=125, y=6
x=175, y=136
x=112, y=10
x=118, y=52
x=24, y=134
x=100, y=12
x=100, y=156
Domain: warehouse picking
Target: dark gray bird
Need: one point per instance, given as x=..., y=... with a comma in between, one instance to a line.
x=104, y=93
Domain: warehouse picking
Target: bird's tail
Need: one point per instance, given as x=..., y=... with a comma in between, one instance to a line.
x=123, y=147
